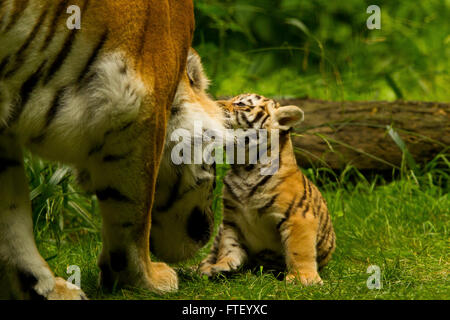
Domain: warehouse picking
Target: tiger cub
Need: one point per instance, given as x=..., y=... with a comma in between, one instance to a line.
x=280, y=219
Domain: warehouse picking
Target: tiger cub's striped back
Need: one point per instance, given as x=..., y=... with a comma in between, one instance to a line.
x=271, y=218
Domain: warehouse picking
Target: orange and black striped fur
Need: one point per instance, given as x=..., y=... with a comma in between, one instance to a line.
x=182, y=216
x=98, y=98
x=279, y=220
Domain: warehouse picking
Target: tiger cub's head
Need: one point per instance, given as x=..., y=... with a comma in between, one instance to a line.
x=253, y=111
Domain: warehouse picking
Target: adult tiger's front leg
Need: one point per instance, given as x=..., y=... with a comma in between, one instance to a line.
x=24, y=274
x=126, y=229
x=123, y=178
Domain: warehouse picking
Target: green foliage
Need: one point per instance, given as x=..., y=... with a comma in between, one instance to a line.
x=323, y=49
x=60, y=210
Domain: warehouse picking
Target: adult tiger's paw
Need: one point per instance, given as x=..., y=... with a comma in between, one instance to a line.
x=154, y=276
x=162, y=278
x=64, y=290
x=306, y=278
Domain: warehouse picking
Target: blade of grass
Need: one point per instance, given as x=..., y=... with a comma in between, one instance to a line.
x=402, y=146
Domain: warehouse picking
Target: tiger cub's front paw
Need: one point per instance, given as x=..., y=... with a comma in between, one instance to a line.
x=306, y=278
x=222, y=266
x=64, y=290
x=206, y=269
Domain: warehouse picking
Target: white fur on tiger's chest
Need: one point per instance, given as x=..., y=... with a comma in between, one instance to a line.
x=259, y=231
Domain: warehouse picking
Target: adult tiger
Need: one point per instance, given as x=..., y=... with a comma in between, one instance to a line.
x=98, y=98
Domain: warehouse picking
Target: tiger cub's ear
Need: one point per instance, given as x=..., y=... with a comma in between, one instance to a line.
x=195, y=71
x=285, y=118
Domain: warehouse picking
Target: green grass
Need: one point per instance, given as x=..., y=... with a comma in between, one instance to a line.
x=323, y=49
x=402, y=226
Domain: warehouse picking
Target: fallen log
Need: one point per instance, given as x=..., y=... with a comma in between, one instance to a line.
x=337, y=134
